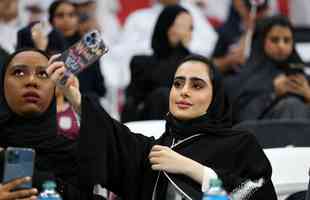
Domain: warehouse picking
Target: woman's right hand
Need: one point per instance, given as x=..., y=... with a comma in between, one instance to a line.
x=56, y=71
x=6, y=192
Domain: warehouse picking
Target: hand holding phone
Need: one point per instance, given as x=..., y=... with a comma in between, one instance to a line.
x=82, y=54
x=7, y=190
x=18, y=163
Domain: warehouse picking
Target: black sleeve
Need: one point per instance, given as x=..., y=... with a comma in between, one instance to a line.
x=110, y=155
x=92, y=80
x=252, y=165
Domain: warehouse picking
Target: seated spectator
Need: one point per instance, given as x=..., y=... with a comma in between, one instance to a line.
x=198, y=144
x=171, y=37
x=274, y=84
x=28, y=119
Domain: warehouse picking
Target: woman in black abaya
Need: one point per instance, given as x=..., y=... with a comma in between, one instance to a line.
x=198, y=144
x=28, y=119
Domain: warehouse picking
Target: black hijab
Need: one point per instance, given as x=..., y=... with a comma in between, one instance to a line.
x=55, y=155
x=160, y=42
x=219, y=114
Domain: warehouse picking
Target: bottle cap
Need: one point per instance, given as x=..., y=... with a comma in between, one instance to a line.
x=49, y=185
x=215, y=182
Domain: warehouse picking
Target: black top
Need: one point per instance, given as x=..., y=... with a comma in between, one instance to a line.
x=122, y=156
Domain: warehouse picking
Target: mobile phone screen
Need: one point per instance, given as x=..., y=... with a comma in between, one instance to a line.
x=18, y=163
x=83, y=53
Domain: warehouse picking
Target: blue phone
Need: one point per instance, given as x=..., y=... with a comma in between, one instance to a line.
x=18, y=163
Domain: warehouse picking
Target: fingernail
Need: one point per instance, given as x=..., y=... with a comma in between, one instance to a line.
x=28, y=178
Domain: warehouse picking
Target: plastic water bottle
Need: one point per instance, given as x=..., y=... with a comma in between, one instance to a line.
x=49, y=191
x=215, y=192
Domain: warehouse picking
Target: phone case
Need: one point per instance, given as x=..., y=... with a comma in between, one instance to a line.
x=83, y=53
x=19, y=162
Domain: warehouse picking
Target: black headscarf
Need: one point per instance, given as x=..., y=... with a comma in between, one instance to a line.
x=219, y=113
x=55, y=155
x=160, y=42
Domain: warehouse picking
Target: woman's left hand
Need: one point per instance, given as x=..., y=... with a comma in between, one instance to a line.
x=164, y=158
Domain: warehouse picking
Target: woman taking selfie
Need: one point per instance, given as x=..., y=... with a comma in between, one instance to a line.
x=198, y=144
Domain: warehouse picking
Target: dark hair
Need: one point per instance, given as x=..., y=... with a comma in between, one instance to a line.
x=200, y=58
x=277, y=20
x=53, y=7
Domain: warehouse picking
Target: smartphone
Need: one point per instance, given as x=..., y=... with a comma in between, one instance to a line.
x=83, y=53
x=18, y=163
x=294, y=68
